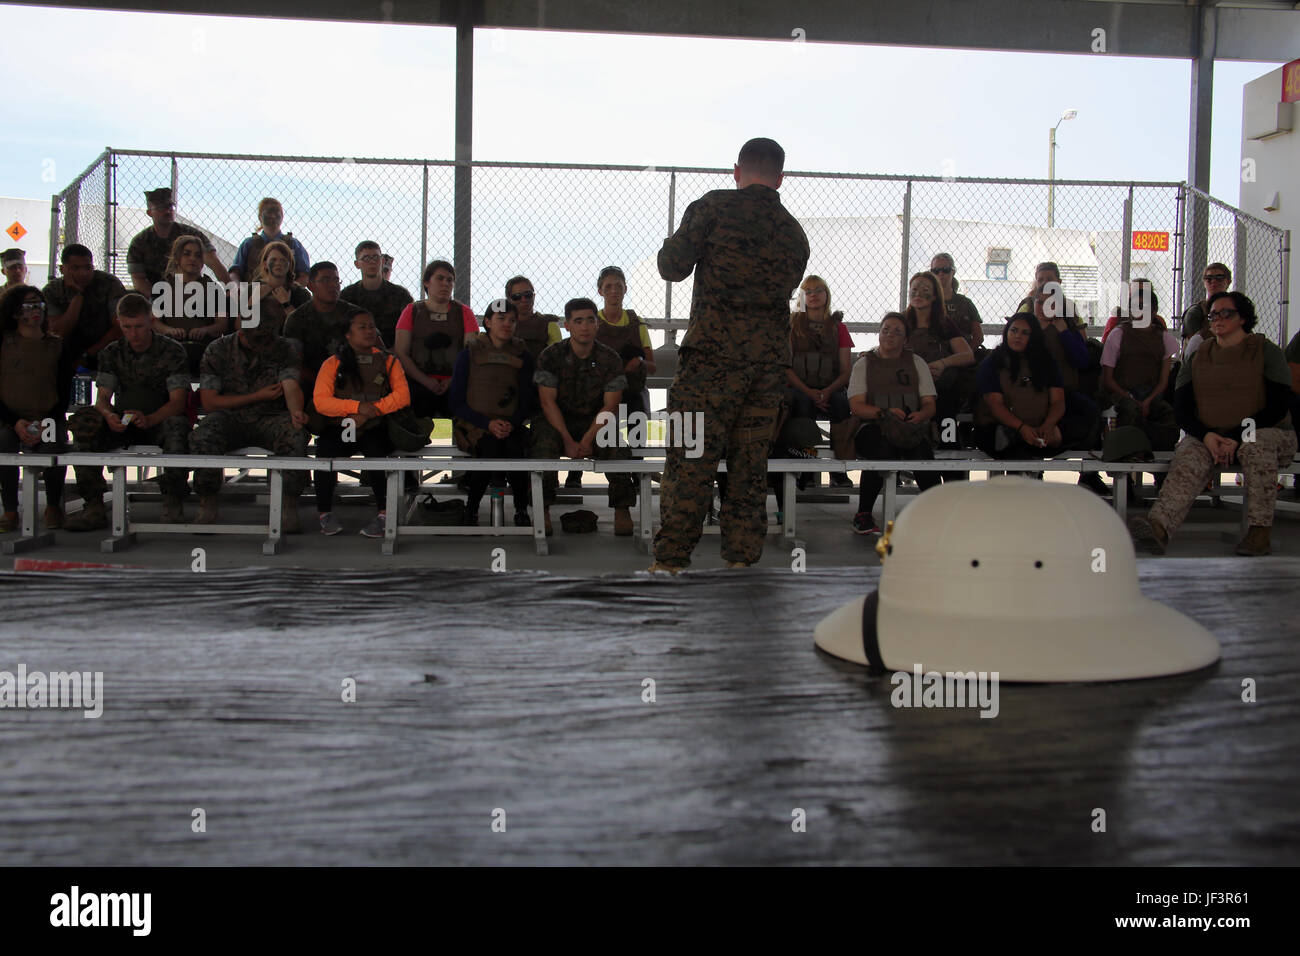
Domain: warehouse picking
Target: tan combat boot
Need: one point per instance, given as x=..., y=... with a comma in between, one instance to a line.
x=546, y=519
x=1255, y=543
x=8, y=522
x=207, y=510
x=622, y=522
x=173, y=513
x=289, y=522
x=91, y=517
x=53, y=517
x=1148, y=534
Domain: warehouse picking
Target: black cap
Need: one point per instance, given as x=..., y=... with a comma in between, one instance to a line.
x=160, y=196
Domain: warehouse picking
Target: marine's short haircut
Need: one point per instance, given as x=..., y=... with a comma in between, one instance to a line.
x=433, y=267
x=75, y=249
x=1245, y=308
x=133, y=305
x=363, y=245
x=318, y=267
x=577, y=305
x=763, y=156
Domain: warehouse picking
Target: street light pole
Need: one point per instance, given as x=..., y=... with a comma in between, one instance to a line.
x=1051, y=166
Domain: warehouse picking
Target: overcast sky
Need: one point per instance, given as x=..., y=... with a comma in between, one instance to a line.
x=219, y=84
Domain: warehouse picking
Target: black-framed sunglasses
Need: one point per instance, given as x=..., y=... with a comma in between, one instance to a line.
x=943, y=270
x=32, y=307
x=1223, y=314
x=1217, y=277
x=516, y=296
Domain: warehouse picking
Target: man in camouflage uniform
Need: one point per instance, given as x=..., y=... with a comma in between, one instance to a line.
x=147, y=256
x=14, y=264
x=319, y=328
x=384, y=300
x=748, y=254
x=82, y=305
x=576, y=380
x=248, y=383
x=146, y=377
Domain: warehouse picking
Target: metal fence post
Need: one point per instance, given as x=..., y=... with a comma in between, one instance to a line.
x=1126, y=253
x=110, y=243
x=176, y=181
x=1180, y=214
x=907, y=240
x=54, y=234
x=1284, y=301
x=424, y=223
x=672, y=221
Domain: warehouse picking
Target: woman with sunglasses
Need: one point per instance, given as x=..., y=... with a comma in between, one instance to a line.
x=1232, y=399
x=537, y=329
x=1216, y=277
x=961, y=310
x=33, y=394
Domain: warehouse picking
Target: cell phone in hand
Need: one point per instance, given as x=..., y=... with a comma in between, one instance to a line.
x=127, y=419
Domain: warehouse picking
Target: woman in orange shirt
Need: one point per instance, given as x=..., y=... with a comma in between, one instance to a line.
x=360, y=384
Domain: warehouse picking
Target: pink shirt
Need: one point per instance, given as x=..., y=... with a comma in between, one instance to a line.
x=407, y=321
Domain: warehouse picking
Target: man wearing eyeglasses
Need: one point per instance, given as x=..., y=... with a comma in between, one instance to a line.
x=374, y=293
x=146, y=257
x=1217, y=278
x=537, y=329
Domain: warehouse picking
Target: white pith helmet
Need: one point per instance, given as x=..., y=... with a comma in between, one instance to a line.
x=1002, y=575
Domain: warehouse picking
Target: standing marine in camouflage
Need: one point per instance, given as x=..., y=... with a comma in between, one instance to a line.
x=147, y=255
x=384, y=300
x=248, y=384
x=576, y=380
x=144, y=383
x=748, y=254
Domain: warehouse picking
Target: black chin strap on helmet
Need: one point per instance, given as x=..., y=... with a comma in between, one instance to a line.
x=870, y=641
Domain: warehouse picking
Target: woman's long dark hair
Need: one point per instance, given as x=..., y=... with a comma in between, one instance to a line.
x=1036, y=356
x=349, y=368
x=940, y=324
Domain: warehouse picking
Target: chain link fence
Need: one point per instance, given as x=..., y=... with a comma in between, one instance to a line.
x=560, y=224
x=1255, y=251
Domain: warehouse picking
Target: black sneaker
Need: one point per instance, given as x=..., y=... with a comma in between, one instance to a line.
x=574, y=480
x=863, y=523
x=1092, y=481
x=840, y=480
x=522, y=520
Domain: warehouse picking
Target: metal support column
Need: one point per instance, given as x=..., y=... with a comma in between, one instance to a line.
x=1198, y=138
x=464, y=150
x=424, y=223
x=1126, y=253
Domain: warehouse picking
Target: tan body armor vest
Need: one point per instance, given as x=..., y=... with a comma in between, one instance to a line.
x=618, y=336
x=1228, y=383
x=1027, y=403
x=891, y=383
x=815, y=354
x=493, y=386
x=376, y=383
x=441, y=360
x=929, y=344
x=1141, y=354
x=258, y=246
x=535, y=333
x=29, y=374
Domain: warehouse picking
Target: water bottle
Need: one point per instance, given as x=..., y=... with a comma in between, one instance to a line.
x=81, y=386
x=498, y=507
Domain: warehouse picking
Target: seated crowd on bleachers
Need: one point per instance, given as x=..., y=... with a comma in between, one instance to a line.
x=366, y=367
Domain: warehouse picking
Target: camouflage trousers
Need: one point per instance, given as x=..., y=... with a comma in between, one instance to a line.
x=90, y=433
x=547, y=443
x=219, y=433
x=1193, y=464
x=740, y=405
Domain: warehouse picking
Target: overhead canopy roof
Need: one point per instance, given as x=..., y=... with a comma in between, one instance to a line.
x=1251, y=30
